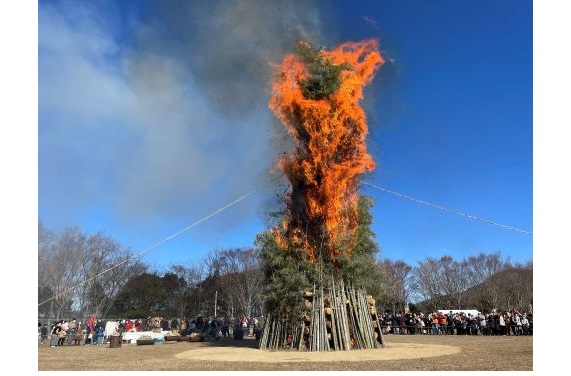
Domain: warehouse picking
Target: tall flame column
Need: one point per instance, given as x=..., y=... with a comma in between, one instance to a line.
x=316, y=96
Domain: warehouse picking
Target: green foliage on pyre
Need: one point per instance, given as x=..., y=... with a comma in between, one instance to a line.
x=286, y=277
x=324, y=76
x=360, y=269
x=288, y=274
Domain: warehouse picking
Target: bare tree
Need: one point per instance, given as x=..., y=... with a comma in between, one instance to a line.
x=484, y=281
x=191, y=275
x=427, y=282
x=517, y=287
x=482, y=268
x=58, y=269
x=242, y=278
x=108, y=267
x=46, y=246
x=69, y=265
x=454, y=281
x=397, y=277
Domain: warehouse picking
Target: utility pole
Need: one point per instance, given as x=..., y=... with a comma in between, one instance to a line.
x=51, y=309
x=215, y=299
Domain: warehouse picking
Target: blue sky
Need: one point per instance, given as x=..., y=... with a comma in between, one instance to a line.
x=153, y=115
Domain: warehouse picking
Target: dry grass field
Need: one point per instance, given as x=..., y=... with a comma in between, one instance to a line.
x=402, y=353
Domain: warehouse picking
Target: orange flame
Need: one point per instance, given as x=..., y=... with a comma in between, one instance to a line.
x=330, y=152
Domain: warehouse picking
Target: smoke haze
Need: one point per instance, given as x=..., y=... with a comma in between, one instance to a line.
x=175, y=124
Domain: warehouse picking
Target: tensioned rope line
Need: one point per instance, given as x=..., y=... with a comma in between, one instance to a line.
x=446, y=209
x=162, y=241
x=252, y=192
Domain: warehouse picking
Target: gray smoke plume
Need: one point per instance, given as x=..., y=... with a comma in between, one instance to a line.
x=161, y=114
x=229, y=45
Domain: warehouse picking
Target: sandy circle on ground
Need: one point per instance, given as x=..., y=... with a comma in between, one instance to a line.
x=394, y=351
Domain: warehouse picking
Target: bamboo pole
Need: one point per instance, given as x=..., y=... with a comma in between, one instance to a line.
x=312, y=324
x=345, y=317
x=379, y=329
x=265, y=333
x=275, y=342
x=297, y=336
x=334, y=331
x=324, y=338
x=358, y=323
x=349, y=321
x=365, y=320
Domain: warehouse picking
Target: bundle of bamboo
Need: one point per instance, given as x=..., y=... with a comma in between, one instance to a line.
x=343, y=319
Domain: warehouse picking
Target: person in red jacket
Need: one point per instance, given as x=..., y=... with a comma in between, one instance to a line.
x=91, y=322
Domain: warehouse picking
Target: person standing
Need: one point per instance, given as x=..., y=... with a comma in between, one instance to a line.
x=502, y=323
x=99, y=331
x=54, y=338
x=183, y=326
x=164, y=324
x=226, y=327
x=525, y=325
x=435, y=323
x=88, y=335
x=65, y=326
x=78, y=335
x=71, y=332
x=442, y=322
x=61, y=334
x=518, y=326
x=43, y=334
x=174, y=324
x=91, y=323
x=192, y=326
x=493, y=323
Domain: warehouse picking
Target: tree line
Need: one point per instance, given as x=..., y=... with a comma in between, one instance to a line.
x=80, y=274
x=484, y=282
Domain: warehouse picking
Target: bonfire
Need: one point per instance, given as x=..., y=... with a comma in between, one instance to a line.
x=316, y=95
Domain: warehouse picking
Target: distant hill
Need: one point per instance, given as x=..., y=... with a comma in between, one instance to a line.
x=511, y=288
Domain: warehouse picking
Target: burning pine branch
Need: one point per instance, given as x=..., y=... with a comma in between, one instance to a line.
x=316, y=96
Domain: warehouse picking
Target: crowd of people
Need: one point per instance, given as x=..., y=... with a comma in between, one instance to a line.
x=73, y=332
x=494, y=323
x=94, y=331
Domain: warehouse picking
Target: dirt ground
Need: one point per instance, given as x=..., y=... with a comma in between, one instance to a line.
x=402, y=353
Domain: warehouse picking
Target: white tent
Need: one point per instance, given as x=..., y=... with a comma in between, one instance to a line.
x=473, y=312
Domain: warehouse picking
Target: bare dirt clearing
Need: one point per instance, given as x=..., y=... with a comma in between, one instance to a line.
x=403, y=353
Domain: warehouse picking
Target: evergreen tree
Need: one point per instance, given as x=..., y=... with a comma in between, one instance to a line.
x=288, y=274
x=142, y=296
x=360, y=267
